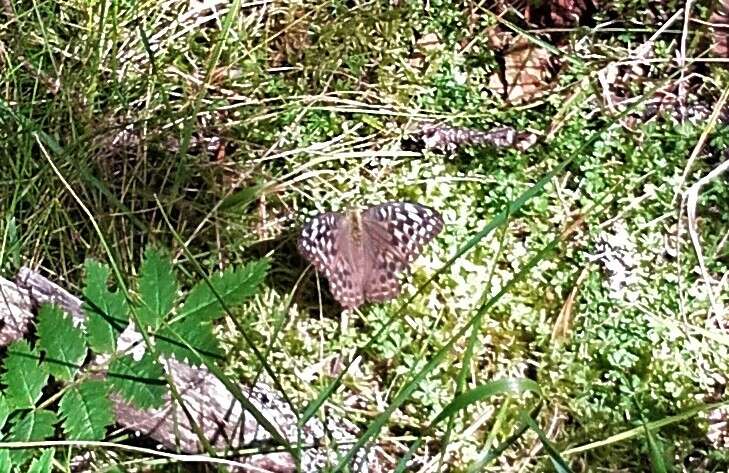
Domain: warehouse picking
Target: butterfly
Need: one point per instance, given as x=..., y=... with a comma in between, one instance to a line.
x=361, y=253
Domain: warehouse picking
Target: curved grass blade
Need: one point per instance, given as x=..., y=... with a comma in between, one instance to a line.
x=559, y=464
x=480, y=393
x=440, y=355
x=658, y=463
x=653, y=425
x=485, y=391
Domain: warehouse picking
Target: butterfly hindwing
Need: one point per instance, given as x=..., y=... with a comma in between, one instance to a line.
x=344, y=283
x=381, y=283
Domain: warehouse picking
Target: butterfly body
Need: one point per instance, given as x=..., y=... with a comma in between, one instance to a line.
x=361, y=253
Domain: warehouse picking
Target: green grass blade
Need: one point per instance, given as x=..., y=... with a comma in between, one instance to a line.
x=502, y=386
x=658, y=464
x=439, y=356
x=557, y=461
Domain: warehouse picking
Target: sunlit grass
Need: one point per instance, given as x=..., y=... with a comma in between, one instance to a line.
x=242, y=133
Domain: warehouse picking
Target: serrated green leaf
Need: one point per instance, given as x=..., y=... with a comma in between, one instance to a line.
x=233, y=287
x=157, y=288
x=24, y=378
x=5, y=463
x=139, y=382
x=106, y=312
x=197, y=334
x=42, y=464
x=63, y=343
x=86, y=411
x=34, y=425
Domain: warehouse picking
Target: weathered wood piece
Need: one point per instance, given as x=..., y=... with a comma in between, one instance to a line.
x=224, y=423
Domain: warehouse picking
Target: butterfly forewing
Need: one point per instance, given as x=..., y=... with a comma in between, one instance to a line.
x=326, y=241
x=361, y=257
x=397, y=231
x=409, y=226
x=318, y=240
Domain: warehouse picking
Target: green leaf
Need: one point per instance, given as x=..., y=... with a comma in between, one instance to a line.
x=4, y=412
x=106, y=312
x=5, y=463
x=10, y=245
x=23, y=376
x=241, y=199
x=139, y=382
x=86, y=411
x=34, y=425
x=157, y=288
x=197, y=334
x=232, y=286
x=484, y=391
x=658, y=462
x=63, y=343
x=42, y=464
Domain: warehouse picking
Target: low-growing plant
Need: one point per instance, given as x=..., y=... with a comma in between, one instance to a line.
x=173, y=324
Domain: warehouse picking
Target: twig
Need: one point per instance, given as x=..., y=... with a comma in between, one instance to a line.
x=692, y=196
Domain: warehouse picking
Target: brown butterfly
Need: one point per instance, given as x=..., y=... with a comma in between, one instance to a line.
x=362, y=253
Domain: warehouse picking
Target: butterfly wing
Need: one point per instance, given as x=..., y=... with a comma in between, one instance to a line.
x=318, y=240
x=395, y=234
x=326, y=242
x=381, y=283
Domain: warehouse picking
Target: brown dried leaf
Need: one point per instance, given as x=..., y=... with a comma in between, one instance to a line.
x=526, y=72
x=720, y=25
x=560, y=13
x=428, y=43
x=423, y=46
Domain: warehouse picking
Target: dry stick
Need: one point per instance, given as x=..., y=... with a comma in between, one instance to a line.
x=713, y=118
x=682, y=59
x=120, y=446
x=692, y=196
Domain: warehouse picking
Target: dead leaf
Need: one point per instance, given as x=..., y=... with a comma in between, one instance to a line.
x=427, y=44
x=719, y=20
x=525, y=74
x=560, y=13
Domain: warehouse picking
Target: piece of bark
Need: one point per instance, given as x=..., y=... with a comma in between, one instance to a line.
x=16, y=310
x=213, y=408
x=447, y=138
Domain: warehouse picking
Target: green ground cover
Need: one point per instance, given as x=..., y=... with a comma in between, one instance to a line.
x=214, y=133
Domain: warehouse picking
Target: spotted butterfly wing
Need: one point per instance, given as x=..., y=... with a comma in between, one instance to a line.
x=361, y=255
x=326, y=241
x=397, y=232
